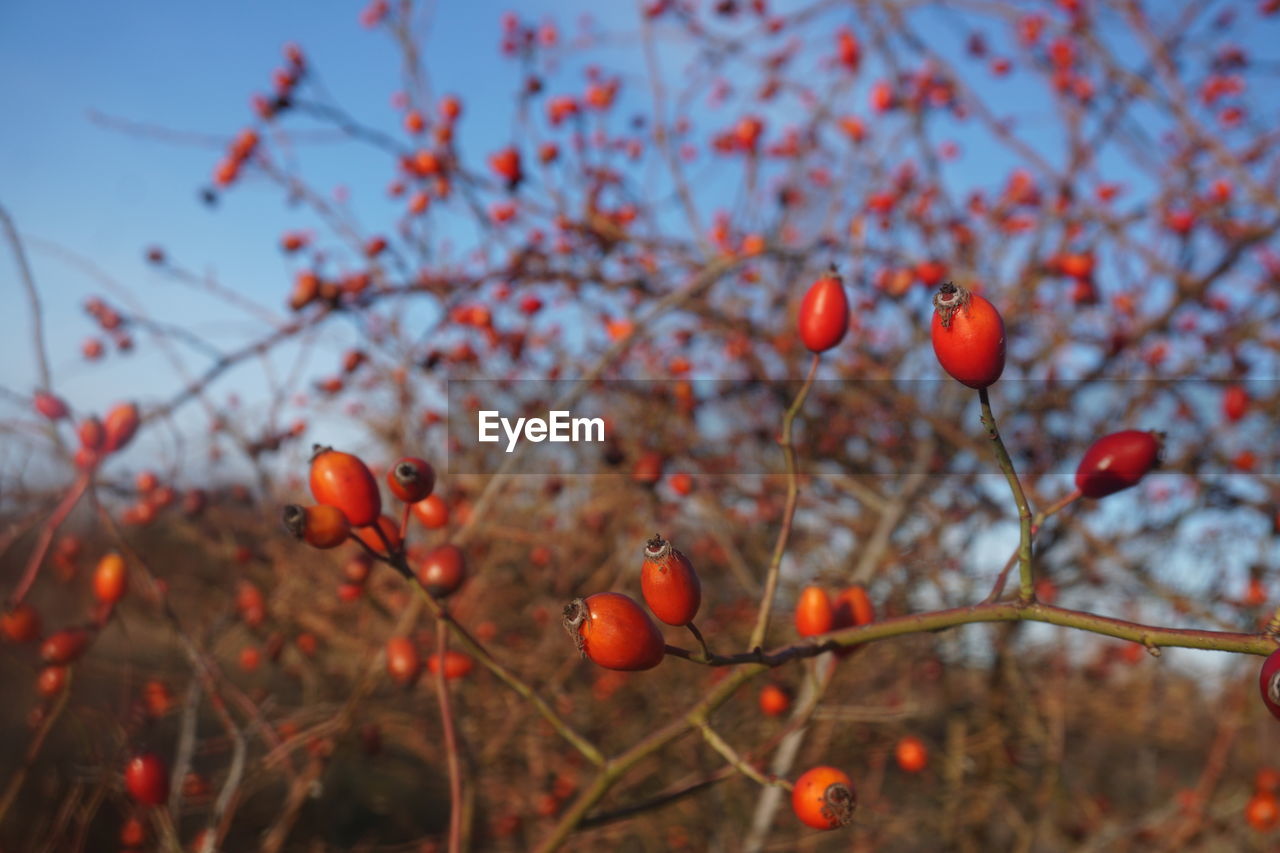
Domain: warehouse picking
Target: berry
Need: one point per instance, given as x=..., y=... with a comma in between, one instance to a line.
x=1117, y=462
x=614, y=632
x=968, y=336
x=670, y=585
x=823, y=798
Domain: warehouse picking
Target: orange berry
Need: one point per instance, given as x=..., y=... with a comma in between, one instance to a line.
x=823, y=798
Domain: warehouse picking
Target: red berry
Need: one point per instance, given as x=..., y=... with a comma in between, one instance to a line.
x=1262, y=812
x=824, y=798
x=506, y=164
x=342, y=480
x=774, y=700
x=321, y=526
x=670, y=586
x=814, y=612
x=432, y=512
x=1269, y=683
x=146, y=778
x=1116, y=462
x=21, y=624
x=403, y=663
x=456, y=664
x=91, y=433
x=50, y=406
x=612, y=630
x=64, y=647
x=443, y=570
x=51, y=680
x=824, y=314
x=119, y=426
x=912, y=754
x=110, y=578
x=968, y=336
x=411, y=479
x=378, y=541
x=1235, y=402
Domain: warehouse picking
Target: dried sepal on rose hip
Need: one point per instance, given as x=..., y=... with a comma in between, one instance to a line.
x=411, y=479
x=670, y=585
x=824, y=798
x=968, y=336
x=320, y=526
x=1117, y=462
x=614, y=632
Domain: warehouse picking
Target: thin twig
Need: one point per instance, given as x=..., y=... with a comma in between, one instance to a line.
x=450, y=739
x=788, y=512
x=1027, y=590
x=33, y=748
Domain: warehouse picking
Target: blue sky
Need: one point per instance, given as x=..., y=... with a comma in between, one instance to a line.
x=72, y=184
x=192, y=68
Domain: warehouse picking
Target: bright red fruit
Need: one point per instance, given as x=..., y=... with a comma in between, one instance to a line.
x=456, y=664
x=968, y=336
x=1235, y=402
x=50, y=406
x=613, y=630
x=1116, y=462
x=670, y=585
x=342, y=480
x=378, y=541
x=119, y=426
x=411, y=479
x=1262, y=812
x=321, y=526
x=814, y=612
x=824, y=314
x=91, y=433
x=51, y=680
x=853, y=607
x=774, y=700
x=824, y=798
x=65, y=646
x=432, y=512
x=1269, y=683
x=912, y=755
x=403, y=663
x=506, y=164
x=110, y=578
x=21, y=624
x=146, y=778
x=443, y=570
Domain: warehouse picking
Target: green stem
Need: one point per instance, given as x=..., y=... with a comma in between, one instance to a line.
x=1042, y=516
x=730, y=754
x=1026, y=580
x=450, y=739
x=706, y=650
x=788, y=513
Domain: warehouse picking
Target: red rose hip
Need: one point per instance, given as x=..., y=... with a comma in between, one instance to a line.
x=1117, y=462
